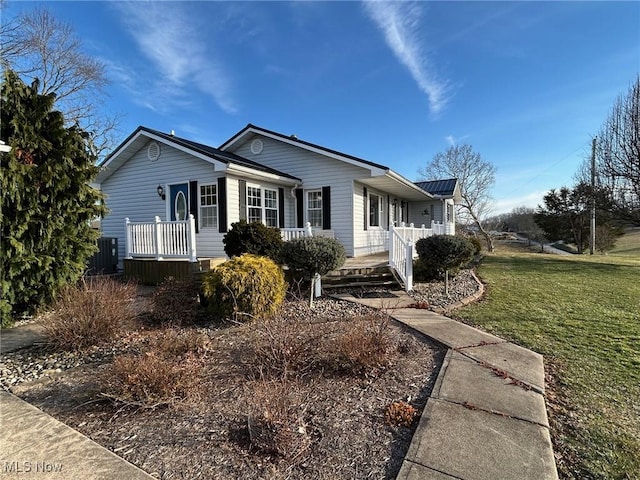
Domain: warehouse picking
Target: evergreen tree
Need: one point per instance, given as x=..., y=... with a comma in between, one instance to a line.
x=47, y=200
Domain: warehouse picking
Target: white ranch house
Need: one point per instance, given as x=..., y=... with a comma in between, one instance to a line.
x=170, y=197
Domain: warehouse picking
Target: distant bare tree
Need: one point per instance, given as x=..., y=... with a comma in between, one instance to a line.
x=37, y=45
x=476, y=177
x=618, y=155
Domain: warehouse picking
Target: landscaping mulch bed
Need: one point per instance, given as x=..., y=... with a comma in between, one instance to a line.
x=342, y=428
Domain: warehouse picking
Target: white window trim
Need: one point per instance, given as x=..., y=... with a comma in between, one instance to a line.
x=306, y=206
x=380, y=210
x=200, y=206
x=263, y=207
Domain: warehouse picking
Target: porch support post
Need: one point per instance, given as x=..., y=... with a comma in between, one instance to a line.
x=191, y=238
x=127, y=238
x=409, y=267
x=157, y=237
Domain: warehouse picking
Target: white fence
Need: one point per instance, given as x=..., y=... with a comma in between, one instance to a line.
x=402, y=250
x=160, y=239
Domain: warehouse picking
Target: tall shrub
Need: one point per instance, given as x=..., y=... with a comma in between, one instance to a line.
x=311, y=256
x=47, y=200
x=255, y=238
x=247, y=285
x=441, y=254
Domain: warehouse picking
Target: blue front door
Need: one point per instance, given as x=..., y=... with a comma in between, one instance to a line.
x=179, y=201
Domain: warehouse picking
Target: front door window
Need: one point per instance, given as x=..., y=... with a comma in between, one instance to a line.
x=181, y=206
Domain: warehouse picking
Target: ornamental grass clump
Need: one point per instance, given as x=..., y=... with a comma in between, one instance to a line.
x=94, y=311
x=245, y=287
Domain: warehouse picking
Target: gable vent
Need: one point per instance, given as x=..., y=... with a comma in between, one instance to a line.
x=256, y=146
x=153, y=151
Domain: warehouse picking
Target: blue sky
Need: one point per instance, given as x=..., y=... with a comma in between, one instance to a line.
x=527, y=84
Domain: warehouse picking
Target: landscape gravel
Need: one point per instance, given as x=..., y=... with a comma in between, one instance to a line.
x=40, y=361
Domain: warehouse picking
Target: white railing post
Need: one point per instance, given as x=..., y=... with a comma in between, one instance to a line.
x=409, y=267
x=191, y=238
x=157, y=237
x=127, y=238
x=392, y=233
x=307, y=230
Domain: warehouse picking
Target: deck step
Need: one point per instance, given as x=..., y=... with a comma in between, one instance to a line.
x=386, y=283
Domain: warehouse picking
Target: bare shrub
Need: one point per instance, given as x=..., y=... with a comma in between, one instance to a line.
x=284, y=347
x=168, y=371
x=90, y=313
x=400, y=413
x=366, y=346
x=175, y=302
x=151, y=379
x=276, y=420
x=176, y=343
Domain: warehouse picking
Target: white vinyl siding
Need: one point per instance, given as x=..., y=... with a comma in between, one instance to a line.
x=208, y=206
x=132, y=192
x=316, y=171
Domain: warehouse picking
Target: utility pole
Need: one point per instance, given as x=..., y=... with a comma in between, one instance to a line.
x=592, y=229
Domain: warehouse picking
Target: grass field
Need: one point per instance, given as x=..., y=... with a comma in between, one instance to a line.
x=583, y=314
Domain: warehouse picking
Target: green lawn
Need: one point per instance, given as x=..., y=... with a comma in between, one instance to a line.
x=583, y=314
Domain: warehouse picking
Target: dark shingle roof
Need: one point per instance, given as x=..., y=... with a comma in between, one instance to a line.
x=445, y=188
x=222, y=156
x=291, y=138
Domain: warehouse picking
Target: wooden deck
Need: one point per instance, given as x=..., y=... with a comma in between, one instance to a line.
x=149, y=271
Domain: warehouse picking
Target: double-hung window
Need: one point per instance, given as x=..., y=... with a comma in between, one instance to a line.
x=254, y=204
x=314, y=207
x=208, y=206
x=262, y=205
x=270, y=207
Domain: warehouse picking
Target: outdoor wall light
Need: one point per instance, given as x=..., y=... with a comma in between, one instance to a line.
x=395, y=202
x=160, y=191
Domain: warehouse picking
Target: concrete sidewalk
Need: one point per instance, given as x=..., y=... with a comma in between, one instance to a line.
x=35, y=445
x=486, y=418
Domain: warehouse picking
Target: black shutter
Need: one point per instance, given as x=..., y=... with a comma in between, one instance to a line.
x=364, y=206
x=242, y=185
x=281, y=207
x=388, y=212
x=300, y=207
x=326, y=208
x=222, y=204
x=193, y=201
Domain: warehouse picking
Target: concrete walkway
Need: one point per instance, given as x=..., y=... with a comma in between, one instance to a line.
x=36, y=445
x=486, y=417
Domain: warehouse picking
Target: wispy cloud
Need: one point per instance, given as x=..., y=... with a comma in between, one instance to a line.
x=453, y=141
x=400, y=24
x=176, y=49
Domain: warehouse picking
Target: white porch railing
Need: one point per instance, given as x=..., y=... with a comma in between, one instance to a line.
x=306, y=231
x=402, y=250
x=160, y=239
